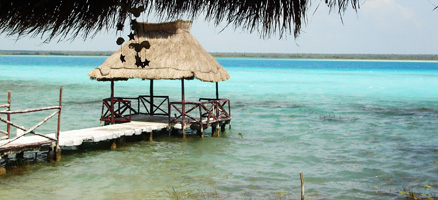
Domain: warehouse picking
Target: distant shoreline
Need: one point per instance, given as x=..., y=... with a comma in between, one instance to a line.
x=403, y=57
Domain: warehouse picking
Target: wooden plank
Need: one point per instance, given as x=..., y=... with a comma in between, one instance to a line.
x=31, y=110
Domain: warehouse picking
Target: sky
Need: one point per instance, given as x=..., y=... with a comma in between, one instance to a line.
x=378, y=27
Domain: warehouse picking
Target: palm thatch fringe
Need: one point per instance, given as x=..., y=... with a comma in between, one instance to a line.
x=50, y=19
x=173, y=54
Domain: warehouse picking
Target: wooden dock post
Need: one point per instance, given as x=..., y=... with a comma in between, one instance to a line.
x=217, y=115
x=302, y=185
x=202, y=130
x=217, y=90
x=223, y=127
x=9, y=115
x=57, y=148
x=184, y=131
x=151, y=98
x=2, y=171
x=229, y=112
x=218, y=134
x=113, y=145
x=112, y=103
x=183, y=115
x=215, y=129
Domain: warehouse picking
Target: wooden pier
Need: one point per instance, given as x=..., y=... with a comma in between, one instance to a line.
x=124, y=119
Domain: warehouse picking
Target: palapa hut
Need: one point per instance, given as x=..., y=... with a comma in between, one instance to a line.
x=164, y=51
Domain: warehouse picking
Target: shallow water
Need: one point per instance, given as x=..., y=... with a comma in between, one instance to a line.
x=357, y=129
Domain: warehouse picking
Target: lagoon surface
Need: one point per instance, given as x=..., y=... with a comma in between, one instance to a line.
x=357, y=129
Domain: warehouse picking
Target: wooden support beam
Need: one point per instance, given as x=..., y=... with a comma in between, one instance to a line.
x=217, y=90
x=151, y=104
x=9, y=115
x=112, y=103
x=58, y=129
x=183, y=113
x=113, y=145
x=223, y=127
x=202, y=131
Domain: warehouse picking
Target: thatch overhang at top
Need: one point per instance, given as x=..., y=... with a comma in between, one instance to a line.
x=173, y=54
x=50, y=19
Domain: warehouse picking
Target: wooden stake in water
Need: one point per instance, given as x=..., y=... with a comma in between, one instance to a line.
x=302, y=185
x=9, y=115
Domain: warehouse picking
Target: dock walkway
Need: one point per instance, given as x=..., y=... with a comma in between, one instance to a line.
x=73, y=138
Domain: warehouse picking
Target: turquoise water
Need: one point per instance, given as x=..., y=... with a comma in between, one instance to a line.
x=357, y=129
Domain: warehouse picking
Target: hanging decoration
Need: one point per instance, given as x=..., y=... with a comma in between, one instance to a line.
x=122, y=58
x=131, y=36
x=137, y=46
x=120, y=40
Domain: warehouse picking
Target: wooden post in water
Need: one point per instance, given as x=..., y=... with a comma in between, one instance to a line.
x=57, y=148
x=217, y=115
x=112, y=103
x=229, y=112
x=183, y=116
x=201, y=128
x=151, y=104
x=8, y=129
x=302, y=185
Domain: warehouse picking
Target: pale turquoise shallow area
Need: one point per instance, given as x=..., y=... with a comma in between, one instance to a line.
x=360, y=130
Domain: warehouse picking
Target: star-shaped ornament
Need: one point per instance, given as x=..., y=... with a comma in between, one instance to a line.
x=131, y=36
x=134, y=25
x=145, y=63
x=122, y=58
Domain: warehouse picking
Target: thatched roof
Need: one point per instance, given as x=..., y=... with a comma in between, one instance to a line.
x=173, y=54
x=49, y=19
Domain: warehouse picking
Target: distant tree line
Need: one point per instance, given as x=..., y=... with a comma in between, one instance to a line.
x=56, y=53
x=245, y=55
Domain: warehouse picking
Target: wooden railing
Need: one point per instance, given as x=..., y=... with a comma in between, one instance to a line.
x=201, y=114
x=193, y=113
x=151, y=108
x=7, y=133
x=125, y=107
x=122, y=110
x=222, y=107
x=9, y=123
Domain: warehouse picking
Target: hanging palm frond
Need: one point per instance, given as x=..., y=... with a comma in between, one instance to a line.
x=50, y=18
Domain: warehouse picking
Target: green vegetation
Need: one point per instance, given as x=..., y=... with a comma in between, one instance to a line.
x=432, y=57
x=409, y=194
